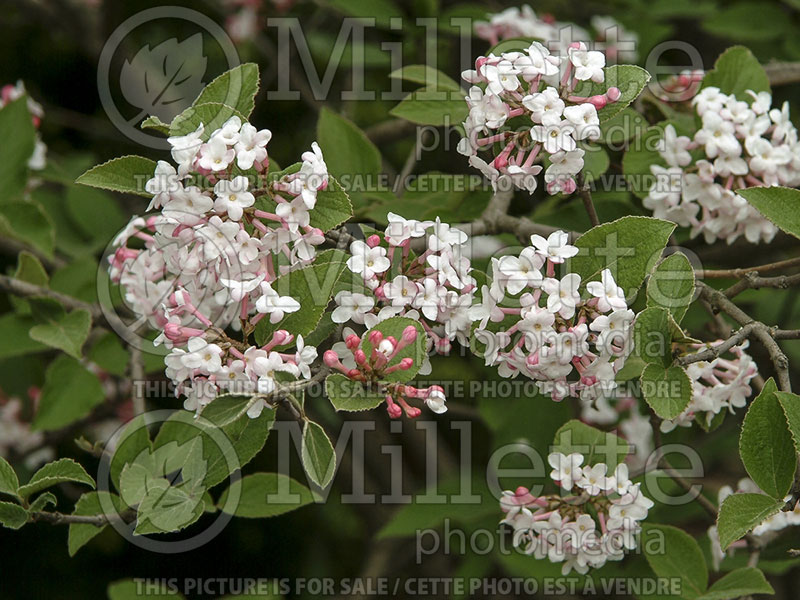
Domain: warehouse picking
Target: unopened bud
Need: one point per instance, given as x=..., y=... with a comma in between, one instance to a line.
x=409, y=334
x=373, y=241
x=375, y=337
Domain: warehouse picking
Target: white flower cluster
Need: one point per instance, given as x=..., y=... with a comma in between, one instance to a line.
x=17, y=438
x=764, y=531
x=208, y=259
x=552, y=331
x=743, y=144
x=595, y=524
x=522, y=22
x=721, y=384
x=536, y=87
x=9, y=93
x=435, y=287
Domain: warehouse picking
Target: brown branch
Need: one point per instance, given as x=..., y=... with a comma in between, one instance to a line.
x=24, y=289
x=586, y=195
x=720, y=302
x=782, y=73
x=752, y=280
x=713, y=352
x=739, y=273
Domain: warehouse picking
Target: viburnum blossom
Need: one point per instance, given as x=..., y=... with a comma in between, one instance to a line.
x=764, y=532
x=370, y=370
x=717, y=385
x=522, y=22
x=435, y=287
x=208, y=259
x=542, y=326
x=527, y=110
x=740, y=144
x=597, y=523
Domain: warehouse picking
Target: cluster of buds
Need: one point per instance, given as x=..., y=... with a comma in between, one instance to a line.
x=371, y=358
x=679, y=88
x=764, y=532
x=739, y=145
x=528, y=110
x=9, y=93
x=550, y=330
x=522, y=22
x=595, y=521
x=207, y=261
x=434, y=287
x=717, y=385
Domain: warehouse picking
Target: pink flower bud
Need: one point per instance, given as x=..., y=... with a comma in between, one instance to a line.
x=330, y=358
x=406, y=364
x=409, y=334
x=395, y=412
x=391, y=339
x=373, y=241
x=613, y=94
x=375, y=337
x=360, y=357
x=352, y=341
x=353, y=373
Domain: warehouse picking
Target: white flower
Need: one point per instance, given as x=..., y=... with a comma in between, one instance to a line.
x=251, y=147
x=351, y=306
x=562, y=296
x=566, y=469
x=444, y=237
x=556, y=248
x=546, y=106
x=294, y=213
x=522, y=271
x=584, y=118
x=164, y=182
x=275, y=305
x=594, y=480
x=233, y=197
x=401, y=290
x=367, y=261
x=202, y=355
x=555, y=137
x=435, y=400
x=609, y=295
x=304, y=356
x=216, y=155
x=399, y=229
x=588, y=64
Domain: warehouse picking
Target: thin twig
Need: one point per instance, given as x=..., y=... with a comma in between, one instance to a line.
x=741, y=272
x=586, y=195
x=24, y=289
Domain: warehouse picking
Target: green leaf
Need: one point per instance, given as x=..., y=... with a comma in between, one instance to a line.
x=394, y=327
x=741, y=512
x=630, y=81
x=790, y=403
x=333, y=207
x=30, y=269
x=227, y=408
x=246, y=436
x=95, y=214
x=596, y=446
x=627, y=124
x=14, y=338
x=652, y=336
x=130, y=444
x=70, y=392
x=668, y=391
x=738, y=584
x=671, y=285
x=12, y=516
x=166, y=508
x=67, y=333
x=236, y=88
x=629, y=247
x=737, y=71
x=266, y=495
x=28, y=223
x=348, y=395
x=8, y=478
x=595, y=161
x=42, y=501
x=109, y=354
x=319, y=459
x=351, y=157
x=153, y=122
x=91, y=503
x=211, y=114
x=673, y=553
x=778, y=204
x=60, y=471
x=432, y=106
x=19, y=137
x=312, y=287
x=124, y=174
x=426, y=75
x=765, y=444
